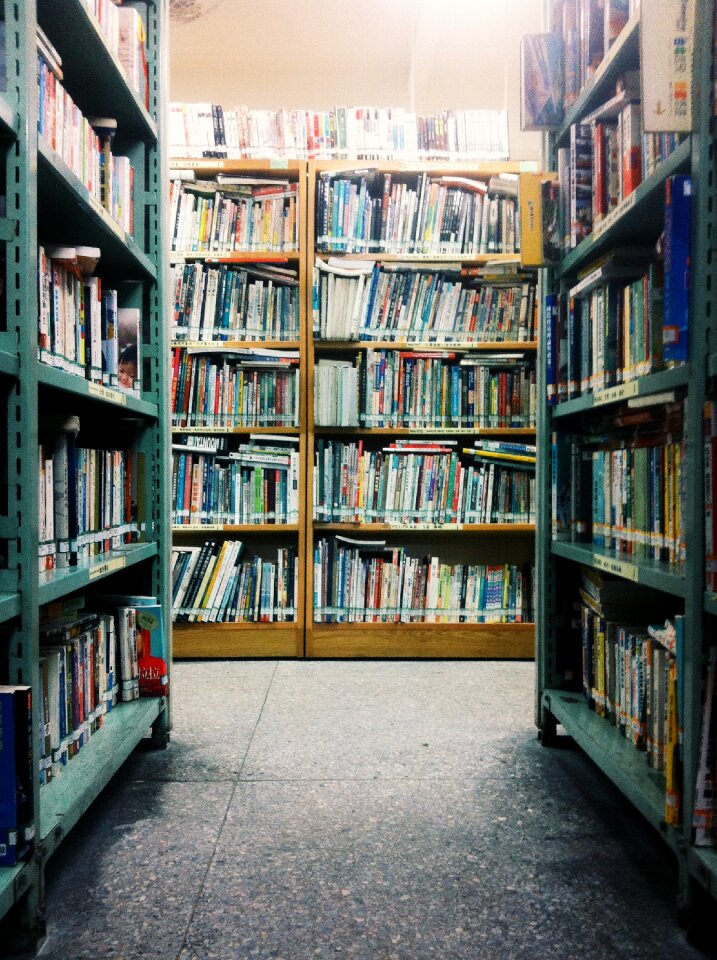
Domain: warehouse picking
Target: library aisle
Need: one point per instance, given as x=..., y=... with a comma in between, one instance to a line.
x=383, y=811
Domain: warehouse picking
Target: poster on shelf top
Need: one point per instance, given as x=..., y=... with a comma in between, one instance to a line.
x=667, y=36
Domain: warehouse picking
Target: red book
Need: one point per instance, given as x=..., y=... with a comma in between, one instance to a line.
x=599, y=191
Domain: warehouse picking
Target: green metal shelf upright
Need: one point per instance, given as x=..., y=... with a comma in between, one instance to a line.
x=634, y=222
x=37, y=180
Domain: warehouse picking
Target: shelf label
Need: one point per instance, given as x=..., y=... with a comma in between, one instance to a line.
x=627, y=571
x=109, y=566
x=197, y=527
x=107, y=393
x=614, y=394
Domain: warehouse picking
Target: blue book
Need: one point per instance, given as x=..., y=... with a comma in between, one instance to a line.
x=678, y=210
x=551, y=326
x=16, y=774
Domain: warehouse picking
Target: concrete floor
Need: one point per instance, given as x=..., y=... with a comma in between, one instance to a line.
x=381, y=811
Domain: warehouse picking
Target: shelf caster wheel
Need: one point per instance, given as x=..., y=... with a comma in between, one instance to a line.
x=160, y=741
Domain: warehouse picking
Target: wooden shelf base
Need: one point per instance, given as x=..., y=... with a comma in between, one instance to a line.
x=465, y=641
x=226, y=641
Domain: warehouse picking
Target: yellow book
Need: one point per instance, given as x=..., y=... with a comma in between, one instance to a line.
x=672, y=765
x=498, y=455
x=538, y=217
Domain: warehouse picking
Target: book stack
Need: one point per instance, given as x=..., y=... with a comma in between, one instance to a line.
x=366, y=581
x=631, y=674
x=608, y=329
x=84, y=144
x=336, y=394
x=88, y=497
x=624, y=495
x=81, y=328
x=363, y=133
x=367, y=212
x=704, y=817
x=213, y=584
x=223, y=388
x=256, y=483
x=387, y=301
x=437, y=388
x=233, y=214
x=424, y=482
x=232, y=302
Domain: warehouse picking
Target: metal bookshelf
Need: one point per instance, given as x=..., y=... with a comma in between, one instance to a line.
x=634, y=221
x=39, y=181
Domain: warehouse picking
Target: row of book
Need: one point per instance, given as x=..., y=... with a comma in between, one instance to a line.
x=234, y=302
x=605, y=162
x=256, y=483
x=384, y=301
x=393, y=388
x=213, y=583
x=87, y=497
x=369, y=212
x=414, y=482
x=231, y=388
x=363, y=132
x=626, y=498
x=125, y=34
x=239, y=214
x=632, y=675
x=366, y=581
x=83, y=143
x=81, y=328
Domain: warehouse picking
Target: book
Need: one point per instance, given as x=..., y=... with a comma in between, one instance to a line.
x=667, y=35
x=540, y=224
x=541, y=81
x=17, y=774
x=678, y=221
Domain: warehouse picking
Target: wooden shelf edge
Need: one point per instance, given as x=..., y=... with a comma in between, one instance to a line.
x=464, y=641
x=207, y=641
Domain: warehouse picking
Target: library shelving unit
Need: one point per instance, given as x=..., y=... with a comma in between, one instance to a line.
x=498, y=543
x=250, y=639
x=46, y=203
x=636, y=221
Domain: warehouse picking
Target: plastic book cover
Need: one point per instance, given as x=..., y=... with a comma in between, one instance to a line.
x=541, y=81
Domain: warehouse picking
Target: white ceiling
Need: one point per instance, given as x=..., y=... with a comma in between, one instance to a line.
x=424, y=54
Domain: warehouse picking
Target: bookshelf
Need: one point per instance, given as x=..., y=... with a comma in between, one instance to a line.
x=259, y=537
x=38, y=177
x=454, y=542
x=578, y=659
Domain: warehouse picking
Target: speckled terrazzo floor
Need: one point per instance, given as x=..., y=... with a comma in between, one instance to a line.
x=379, y=811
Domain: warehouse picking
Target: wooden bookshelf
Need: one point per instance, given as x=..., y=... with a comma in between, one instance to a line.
x=281, y=639
x=413, y=640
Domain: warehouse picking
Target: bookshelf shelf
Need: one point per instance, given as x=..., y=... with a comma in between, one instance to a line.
x=65, y=199
x=9, y=364
x=278, y=431
x=505, y=432
x=96, y=77
x=14, y=884
x=702, y=863
x=710, y=603
x=235, y=256
x=221, y=640
x=9, y=606
x=270, y=528
x=507, y=641
x=479, y=528
x=614, y=755
x=655, y=383
x=239, y=344
x=65, y=799
x=69, y=383
x=58, y=583
x=622, y=55
x=341, y=346
x=423, y=258
x=639, y=215
x=670, y=578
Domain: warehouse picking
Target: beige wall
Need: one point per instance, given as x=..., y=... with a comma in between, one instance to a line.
x=425, y=54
